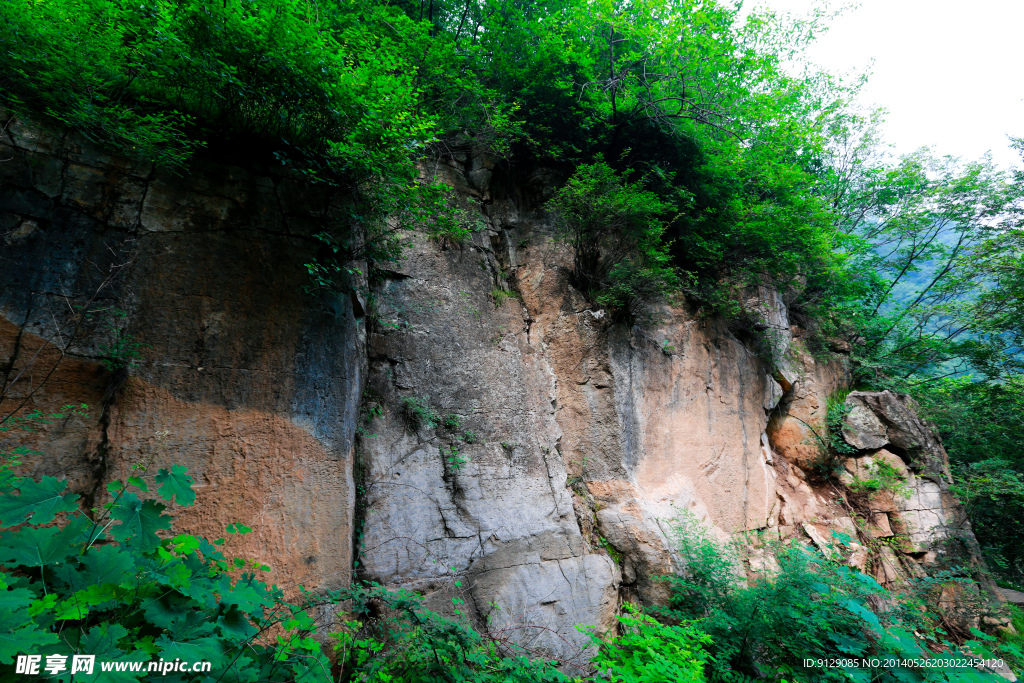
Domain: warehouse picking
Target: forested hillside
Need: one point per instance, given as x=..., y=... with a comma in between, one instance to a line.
x=694, y=154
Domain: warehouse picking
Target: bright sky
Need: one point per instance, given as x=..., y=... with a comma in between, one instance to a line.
x=950, y=73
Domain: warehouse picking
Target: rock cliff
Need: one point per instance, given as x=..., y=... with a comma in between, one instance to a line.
x=242, y=377
x=483, y=434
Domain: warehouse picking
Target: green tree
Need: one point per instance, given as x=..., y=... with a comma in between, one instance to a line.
x=614, y=230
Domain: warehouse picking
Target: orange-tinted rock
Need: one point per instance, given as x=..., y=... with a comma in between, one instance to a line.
x=237, y=373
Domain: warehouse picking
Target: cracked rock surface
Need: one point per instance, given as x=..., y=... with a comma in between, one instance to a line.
x=465, y=424
x=238, y=375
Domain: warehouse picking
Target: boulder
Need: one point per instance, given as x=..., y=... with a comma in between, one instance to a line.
x=887, y=569
x=840, y=346
x=879, y=525
x=1012, y=596
x=882, y=418
x=794, y=440
x=862, y=429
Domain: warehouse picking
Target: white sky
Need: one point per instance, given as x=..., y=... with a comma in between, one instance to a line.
x=950, y=73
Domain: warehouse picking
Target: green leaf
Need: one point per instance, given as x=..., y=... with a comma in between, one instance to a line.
x=81, y=603
x=34, y=547
x=15, y=599
x=140, y=521
x=22, y=640
x=209, y=551
x=235, y=625
x=186, y=543
x=176, y=483
x=108, y=564
x=249, y=596
x=102, y=641
x=167, y=610
x=209, y=649
x=41, y=501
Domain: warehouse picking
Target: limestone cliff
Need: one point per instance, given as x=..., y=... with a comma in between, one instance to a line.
x=483, y=434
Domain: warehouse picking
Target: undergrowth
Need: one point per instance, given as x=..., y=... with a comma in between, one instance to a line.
x=765, y=626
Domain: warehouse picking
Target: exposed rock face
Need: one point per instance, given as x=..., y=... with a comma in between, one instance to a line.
x=567, y=406
x=895, y=422
x=926, y=510
x=862, y=428
x=240, y=376
x=919, y=510
x=1012, y=596
x=525, y=455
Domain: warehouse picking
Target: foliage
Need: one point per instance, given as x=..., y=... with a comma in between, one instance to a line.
x=419, y=413
x=727, y=170
x=357, y=93
x=452, y=456
x=833, y=447
x=809, y=607
x=646, y=650
x=992, y=492
x=612, y=225
x=394, y=638
x=328, y=88
x=711, y=570
x=113, y=584
x=123, y=352
x=158, y=80
x=929, y=293
x=982, y=426
x=1012, y=644
x=882, y=477
x=500, y=296
x=924, y=233
x=836, y=411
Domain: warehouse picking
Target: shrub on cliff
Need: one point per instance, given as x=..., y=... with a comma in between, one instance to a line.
x=393, y=637
x=804, y=606
x=646, y=651
x=614, y=228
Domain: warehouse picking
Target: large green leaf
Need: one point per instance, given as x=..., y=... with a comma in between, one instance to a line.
x=14, y=600
x=81, y=602
x=167, y=610
x=176, y=483
x=240, y=670
x=140, y=520
x=210, y=649
x=249, y=595
x=108, y=564
x=196, y=623
x=102, y=641
x=209, y=551
x=24, y=640
x=41, y=501
x=34, y=547
x=18, y=635
x=235, y=625
x=99, y=565
x=313, y=667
